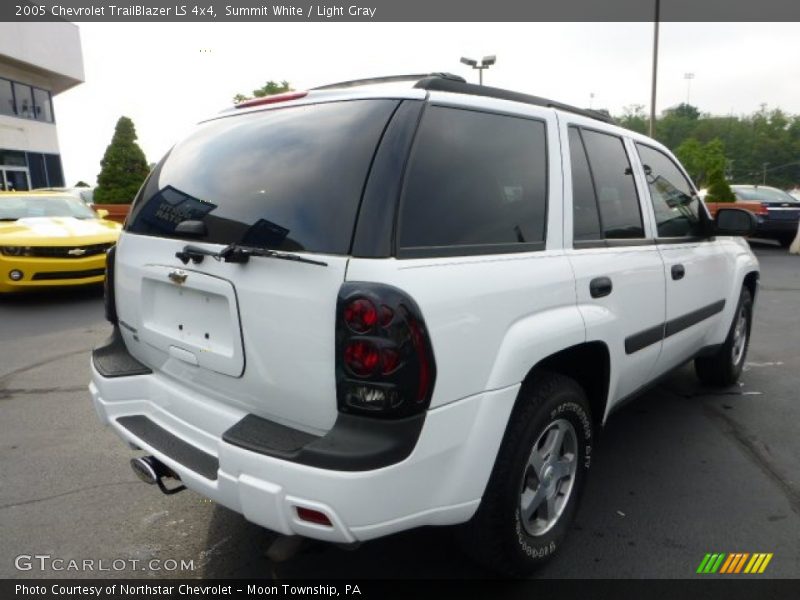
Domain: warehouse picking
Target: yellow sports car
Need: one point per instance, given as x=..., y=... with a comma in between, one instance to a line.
x=51, y=239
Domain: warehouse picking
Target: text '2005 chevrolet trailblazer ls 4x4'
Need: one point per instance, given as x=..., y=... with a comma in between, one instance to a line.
x=366, y=308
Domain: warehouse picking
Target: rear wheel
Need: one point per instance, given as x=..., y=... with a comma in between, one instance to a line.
x=786, y=240
x=537, y=480
x=725, y=366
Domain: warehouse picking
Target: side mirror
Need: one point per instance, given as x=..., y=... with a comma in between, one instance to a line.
x=102, y=213
x=734, y=221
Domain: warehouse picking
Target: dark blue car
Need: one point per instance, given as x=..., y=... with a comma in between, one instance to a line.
x=779, y=221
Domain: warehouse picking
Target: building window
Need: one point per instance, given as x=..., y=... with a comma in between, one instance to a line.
x=6, y=98
x=42, y=105
x=23, y=96
x=21, y=100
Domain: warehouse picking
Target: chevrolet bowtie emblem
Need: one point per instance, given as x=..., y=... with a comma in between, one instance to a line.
x=177, y=276
x=76, y=252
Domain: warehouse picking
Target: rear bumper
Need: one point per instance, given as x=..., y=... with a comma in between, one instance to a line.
x=438, y=482
x=767, y=227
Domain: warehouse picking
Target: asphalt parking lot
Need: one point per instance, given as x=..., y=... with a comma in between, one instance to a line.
x=683, y=471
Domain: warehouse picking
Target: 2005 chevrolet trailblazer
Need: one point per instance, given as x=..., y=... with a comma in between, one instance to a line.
x=365, y=308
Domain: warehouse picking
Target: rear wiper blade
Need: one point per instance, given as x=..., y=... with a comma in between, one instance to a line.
x=234, y=253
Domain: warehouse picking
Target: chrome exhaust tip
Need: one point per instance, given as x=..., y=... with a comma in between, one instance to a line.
x=145, y=469
x=152, y=471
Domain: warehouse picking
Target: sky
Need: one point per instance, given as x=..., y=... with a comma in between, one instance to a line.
x=168, y=76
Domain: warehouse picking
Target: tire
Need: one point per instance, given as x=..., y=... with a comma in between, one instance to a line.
x=498, y=536
x=786, y=241
x=724, y=367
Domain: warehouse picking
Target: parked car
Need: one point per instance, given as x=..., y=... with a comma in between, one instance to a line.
x=780, y=211
x=51, y=239
x=357, y=310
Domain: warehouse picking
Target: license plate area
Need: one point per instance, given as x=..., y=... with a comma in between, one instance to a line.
x=198, y=318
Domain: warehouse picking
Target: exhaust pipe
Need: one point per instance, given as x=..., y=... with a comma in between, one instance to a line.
x=152, y=471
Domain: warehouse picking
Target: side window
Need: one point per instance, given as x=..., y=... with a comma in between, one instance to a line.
x=585, y=218
x=476, y=183
x=613, y=179
x=675, y=206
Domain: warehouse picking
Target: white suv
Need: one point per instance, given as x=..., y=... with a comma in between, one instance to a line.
x=352, y=311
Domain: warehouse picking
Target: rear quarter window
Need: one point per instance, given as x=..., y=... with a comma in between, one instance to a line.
x=288, y=179
x=476, y=184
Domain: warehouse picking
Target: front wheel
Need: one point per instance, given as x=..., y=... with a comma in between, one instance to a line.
x=538, y=477
x=724, y=367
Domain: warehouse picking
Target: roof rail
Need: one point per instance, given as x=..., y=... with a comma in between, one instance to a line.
x=461, y=87
x=391, y=79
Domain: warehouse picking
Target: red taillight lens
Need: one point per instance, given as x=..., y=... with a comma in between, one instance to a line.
x=424, y=378
x=762, y=210
x=390, y=360
x=360, y=315
x=385, y=366
x=361, y=358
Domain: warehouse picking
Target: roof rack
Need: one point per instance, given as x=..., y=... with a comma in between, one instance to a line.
x=392, y=79
x=460, y=86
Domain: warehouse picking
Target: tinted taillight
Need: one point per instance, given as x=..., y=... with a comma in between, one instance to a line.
x=109, y=298
x=384, y=359
x=762, y=209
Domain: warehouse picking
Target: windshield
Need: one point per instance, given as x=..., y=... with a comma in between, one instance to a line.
x=763, y=194
x=25, y=207
x=283, y=179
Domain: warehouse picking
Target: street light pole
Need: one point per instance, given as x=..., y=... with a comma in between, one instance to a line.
x=688, y=77
x=764, y=176
x=655, y=72
x=486, y=62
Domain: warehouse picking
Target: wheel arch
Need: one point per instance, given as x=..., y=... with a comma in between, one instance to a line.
x=589, y=364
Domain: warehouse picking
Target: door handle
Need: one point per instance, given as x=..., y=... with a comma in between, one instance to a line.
x=678, y=271
x=600, y=286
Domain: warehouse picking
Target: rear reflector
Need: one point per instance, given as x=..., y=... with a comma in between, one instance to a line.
x=271, y=99
x=313, y=516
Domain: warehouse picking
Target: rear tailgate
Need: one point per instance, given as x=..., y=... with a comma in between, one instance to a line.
x=265, y=344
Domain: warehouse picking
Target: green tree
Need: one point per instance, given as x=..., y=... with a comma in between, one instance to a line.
x=633, y=118
x=700, y=160
x=268, y=89
x=124, y=167
x=718, y=188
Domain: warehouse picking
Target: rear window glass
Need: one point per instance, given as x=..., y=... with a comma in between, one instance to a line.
x=476, y=183
x=286, y=179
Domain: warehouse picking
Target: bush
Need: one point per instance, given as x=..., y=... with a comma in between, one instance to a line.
x=124, y=167
x=718, y=188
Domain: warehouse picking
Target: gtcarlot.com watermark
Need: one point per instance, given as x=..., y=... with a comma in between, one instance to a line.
x=48, y=562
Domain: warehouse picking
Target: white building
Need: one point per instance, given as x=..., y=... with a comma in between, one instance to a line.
x=37, y=61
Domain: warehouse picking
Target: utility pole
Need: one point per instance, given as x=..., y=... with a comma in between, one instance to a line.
x=655, y=72
x=764, y=173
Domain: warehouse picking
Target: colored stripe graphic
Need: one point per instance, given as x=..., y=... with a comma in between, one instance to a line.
x=749, y=568
x=703, y=563
x=734, y=563
x=716, y=565
x=741, y=562
x=765, y=563
x=729, y=564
